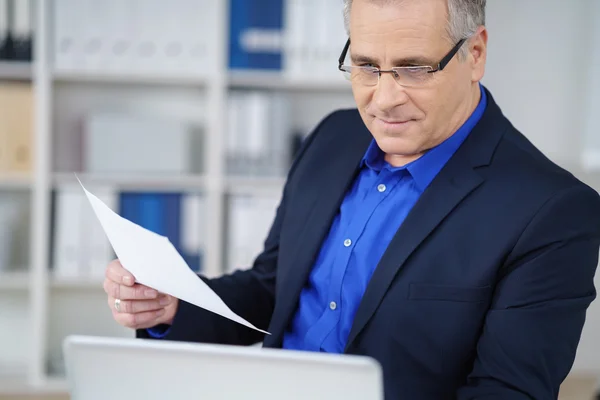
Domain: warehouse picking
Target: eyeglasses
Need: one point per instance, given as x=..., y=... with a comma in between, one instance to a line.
x=408, y=76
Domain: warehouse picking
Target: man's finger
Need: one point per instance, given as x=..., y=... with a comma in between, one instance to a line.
x=135, y=292
x=139, y=306
x=136, y=321
x=116, y=273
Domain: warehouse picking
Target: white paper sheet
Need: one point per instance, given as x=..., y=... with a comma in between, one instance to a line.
x=154, y=262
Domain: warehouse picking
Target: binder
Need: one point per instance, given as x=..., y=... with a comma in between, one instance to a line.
x=16, y=127
x=22, y=33
x=6, y=27
x=256, y=34
x=175, y=215
x=68, y=232
x=150, y=37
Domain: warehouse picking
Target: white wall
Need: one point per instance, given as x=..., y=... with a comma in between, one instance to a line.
x=592, y=128
x=544, y=71
x=537, y=69
x=588, y=357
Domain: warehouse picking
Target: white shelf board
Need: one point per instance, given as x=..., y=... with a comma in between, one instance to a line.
x=56, y=384
x=15, y=70
x=255, y=186
x=278, y=81
x=15, y=181
x=13, y=384
x=129, y=78
x=11, y=280
x=163, y=182
x=78, y=282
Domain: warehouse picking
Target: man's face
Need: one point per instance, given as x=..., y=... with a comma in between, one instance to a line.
x=406, y=122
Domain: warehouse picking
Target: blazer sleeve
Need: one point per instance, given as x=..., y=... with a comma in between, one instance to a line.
x=532, y=330
x=249, y=293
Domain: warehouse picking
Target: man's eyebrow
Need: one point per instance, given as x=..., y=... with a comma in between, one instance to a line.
x=362, y=59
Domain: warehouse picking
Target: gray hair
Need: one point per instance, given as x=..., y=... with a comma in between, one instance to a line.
x=464, y=17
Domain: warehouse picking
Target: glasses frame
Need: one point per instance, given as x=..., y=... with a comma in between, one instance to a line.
x=433, y=68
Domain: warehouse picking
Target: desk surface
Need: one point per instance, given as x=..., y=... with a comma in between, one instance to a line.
x=574, y=388
x=35, y=397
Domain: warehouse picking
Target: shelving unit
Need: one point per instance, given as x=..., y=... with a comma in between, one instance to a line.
x=53, y=306
x=135, y=182
x=43, y=308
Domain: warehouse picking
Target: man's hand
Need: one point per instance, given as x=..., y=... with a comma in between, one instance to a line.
x=134, y=305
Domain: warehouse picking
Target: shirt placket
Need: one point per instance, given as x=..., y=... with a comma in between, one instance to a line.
x=353, y=226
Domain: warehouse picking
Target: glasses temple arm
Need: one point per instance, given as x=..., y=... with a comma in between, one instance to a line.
x=343, y=55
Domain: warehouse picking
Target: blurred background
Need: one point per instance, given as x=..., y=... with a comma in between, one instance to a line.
x=184, y=116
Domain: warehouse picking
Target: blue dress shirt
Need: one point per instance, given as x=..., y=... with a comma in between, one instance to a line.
x=371, y=213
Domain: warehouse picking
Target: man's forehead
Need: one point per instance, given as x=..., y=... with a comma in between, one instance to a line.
x=398, y=28
x=397, y=15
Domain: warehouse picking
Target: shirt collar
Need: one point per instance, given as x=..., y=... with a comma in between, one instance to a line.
x=426, y=167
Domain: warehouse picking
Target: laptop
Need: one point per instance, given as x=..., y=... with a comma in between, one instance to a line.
x=114, y=368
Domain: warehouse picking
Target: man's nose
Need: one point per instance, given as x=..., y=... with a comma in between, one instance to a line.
x=389, y=93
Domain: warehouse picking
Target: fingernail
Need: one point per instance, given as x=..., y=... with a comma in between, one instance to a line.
x=128, y=280
x=164, y=301
x=151, y=294
x=159, y=313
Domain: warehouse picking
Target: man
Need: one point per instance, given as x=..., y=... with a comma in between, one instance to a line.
x=422, y=229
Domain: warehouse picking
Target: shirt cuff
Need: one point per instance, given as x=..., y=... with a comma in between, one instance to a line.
x=159, y=331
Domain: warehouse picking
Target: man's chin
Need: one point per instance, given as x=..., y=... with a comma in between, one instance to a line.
x=401, y=147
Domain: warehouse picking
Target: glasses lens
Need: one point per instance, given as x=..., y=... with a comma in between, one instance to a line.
x=346, y=71
x=405, y=76
x=413, y=76
x=361, y=75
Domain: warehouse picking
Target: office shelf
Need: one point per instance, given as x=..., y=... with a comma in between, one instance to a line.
x=77, y=283
x=56, y=384
x=279, y=81
x=135, y=181
x=130, y=78
x=253, y=186
x=15, y=181
x=14, y=280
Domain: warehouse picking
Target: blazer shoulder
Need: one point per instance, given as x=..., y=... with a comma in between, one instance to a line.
x=341, y=125
x=518, y=157
x=341, y=119
x=345, y=124
x=336, y=121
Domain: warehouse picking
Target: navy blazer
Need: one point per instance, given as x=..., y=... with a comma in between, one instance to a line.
x=481, y=294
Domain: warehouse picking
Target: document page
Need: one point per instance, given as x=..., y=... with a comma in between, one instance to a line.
x=154, y=262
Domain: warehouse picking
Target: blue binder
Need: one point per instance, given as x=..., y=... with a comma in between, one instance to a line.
x=256, y=31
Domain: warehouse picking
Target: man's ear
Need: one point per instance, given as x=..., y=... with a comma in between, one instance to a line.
x=478, y=53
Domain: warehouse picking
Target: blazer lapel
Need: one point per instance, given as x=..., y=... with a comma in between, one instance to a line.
x=332, y=183
x=443, y=195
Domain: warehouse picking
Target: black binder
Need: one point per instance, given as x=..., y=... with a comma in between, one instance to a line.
x=22, y=34
x=16, y=31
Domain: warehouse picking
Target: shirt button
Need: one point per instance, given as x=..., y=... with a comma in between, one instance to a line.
x=381, y=188
x=332, y=305
x=347, y=242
